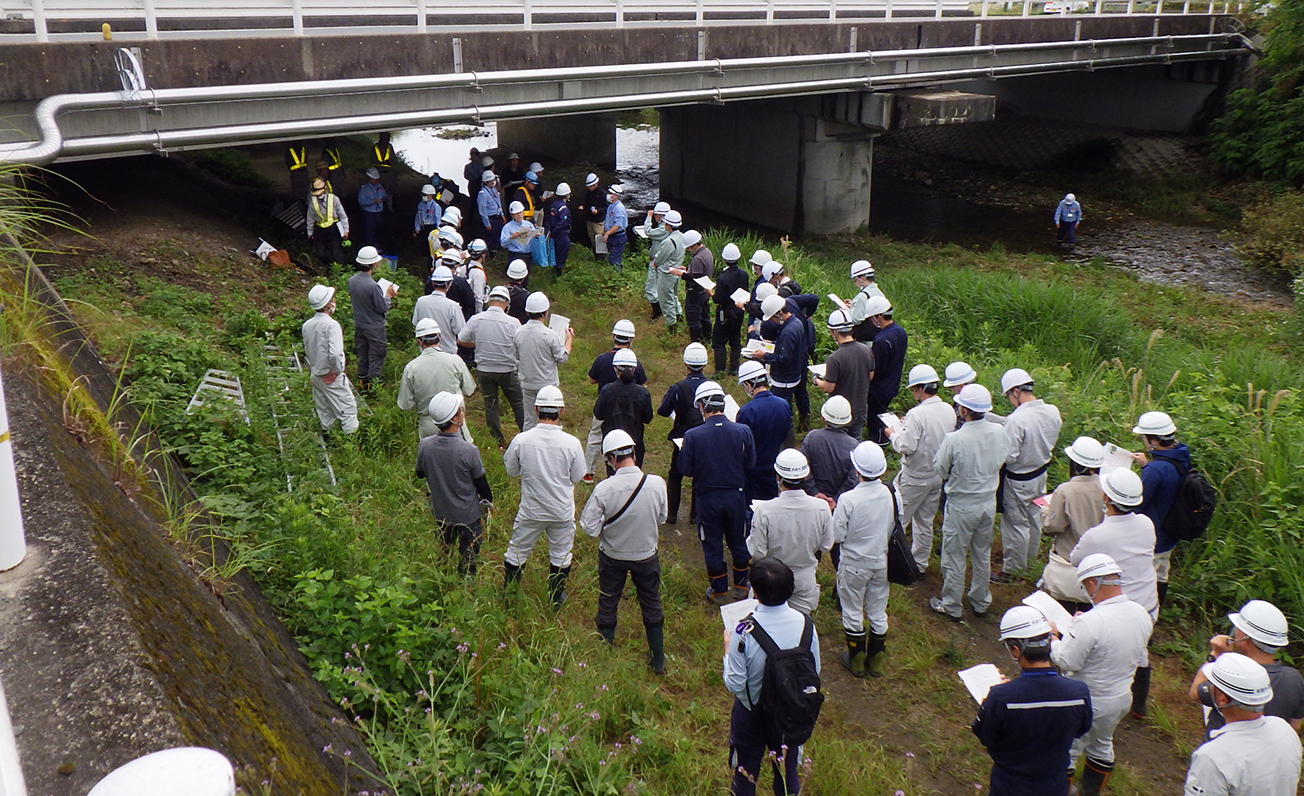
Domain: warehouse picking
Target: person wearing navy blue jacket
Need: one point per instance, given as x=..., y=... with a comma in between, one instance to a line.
x=791, y=351
x=770, y=419
x=1163, y=465
x=889, y=347
x=1029, y=723
x=719, y=455
x=679, y=402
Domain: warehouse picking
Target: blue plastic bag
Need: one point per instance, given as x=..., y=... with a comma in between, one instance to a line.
x=543, y=252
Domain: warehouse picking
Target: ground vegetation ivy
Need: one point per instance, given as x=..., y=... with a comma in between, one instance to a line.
x=462, y=692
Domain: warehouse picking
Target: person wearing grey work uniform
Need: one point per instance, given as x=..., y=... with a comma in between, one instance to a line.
x=1253, y=754
x=794, y=528
x=441, y=309
x=623, y=513
x=492, y=334
x=370, y=304
x=862, y=276
x=917, y=439
x=954, y=378
x=456, y=479
x=1102, y=649
x=969, y=461
x=539, y=350
x=1259, y=631
x=669, y=266
x=1033, y=428
x=656, y=231
x=430, y=373
x=862, y=525
x=323, y=347
x=549, y=463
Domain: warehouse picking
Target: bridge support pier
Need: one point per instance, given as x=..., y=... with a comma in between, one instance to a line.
x=587, y=138
x=769, y=164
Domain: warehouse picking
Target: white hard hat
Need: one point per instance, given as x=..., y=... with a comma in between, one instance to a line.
x=975, y=398
x=624, y=329
x=563, y=189
x=500, y=293
x=877, y=305
x=750, y=371
x=517, y=269
x=616, y=190
x=624, y=358
x=428, y=190
x=320, y=296
x=760, y=257
x=549, y=398
x=673, y=219
x=958, y=373
x=536, y=303
x=920, y=375
x=1122, y=486
x=731, y=253
x=488, y=176
x=368, y=255
x=1263, y=622
x=868, y=459
x=536, y=167
x=451, y=235
x=840, y=321
x=1015, y=377
x=1068, y=197
x=1024, y=622
x=661, y=208
x=476, y=246
x=708, y=389
x=452, y=257
x=1097, y=565
x=765, y=290
x=516, y=207
x=486, y=161
x=373, y=173
x=791, y=464
x=618, y=441
x=1086, y=452
x=454, y=214
x=772, y=305
x=770, y=269
x=443, y=407
x=442, y=274
x=836, y=411
x=861, y=268
x=590, y=180
x=1241, y=678
x=692, y=237
x=1155, y=424
x=695, y=355
x=426, y=327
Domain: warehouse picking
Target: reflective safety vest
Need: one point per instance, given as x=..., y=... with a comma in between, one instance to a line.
x=298, y=158
x=332, y=156
x=529, y=201
x=383, y=157
x=326, y=217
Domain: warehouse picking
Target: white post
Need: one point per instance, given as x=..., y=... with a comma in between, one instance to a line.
x=13, y=542
x=527, y=14
x=151, y=20
x=38, y=20
x=887, y=12
x=769, y=11
x=937, y=13
x=189, y=769
x=11, y=771
x=421, y=16
x=296, y=14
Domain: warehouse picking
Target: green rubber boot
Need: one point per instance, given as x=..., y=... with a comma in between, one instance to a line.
x=877, y=654
x=854, y=657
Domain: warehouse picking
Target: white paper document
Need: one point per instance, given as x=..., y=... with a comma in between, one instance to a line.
x=890, y=420
x=842, y=305
x=733, y=613
x=1116, y=458
x=731, y=408
x=599, y=244
x=559, y=324
x=980, y=679
x=679, y=442
x=385, y=285
x=705, y=282
x=758, y=345
x=639, y=231
x=818, y=370
x=1051, y=609
x=740, y=296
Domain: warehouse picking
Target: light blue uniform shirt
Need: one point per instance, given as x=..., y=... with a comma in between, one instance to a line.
x=371, y=197
x=616, y=217
x=518, y=245
x=489, y=203
x=744, y=664
x=429, y=214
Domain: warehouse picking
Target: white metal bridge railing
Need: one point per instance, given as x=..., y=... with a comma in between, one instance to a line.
x=43, y=20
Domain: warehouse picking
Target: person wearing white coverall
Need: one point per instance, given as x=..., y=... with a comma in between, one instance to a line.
x=549, y=463
x=668, y=263
x=917, y=439
x=323, y=345
x=1033, y=428
x=862, y=525
x=969, y=460
x=1102, y=649
x=794, y=528
x=656, y=232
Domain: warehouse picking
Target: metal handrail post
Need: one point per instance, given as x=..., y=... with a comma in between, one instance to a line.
x=38, y=20
x=13, y=540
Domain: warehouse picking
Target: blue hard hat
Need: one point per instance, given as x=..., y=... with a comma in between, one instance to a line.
x=531, y=176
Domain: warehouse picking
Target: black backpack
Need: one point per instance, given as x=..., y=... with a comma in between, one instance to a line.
x=790, y=699
x=1193, y=505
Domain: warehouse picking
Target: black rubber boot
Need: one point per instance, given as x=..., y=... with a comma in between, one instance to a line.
x=876, y=656
x=656, y=311
x=854, y=657
x=1140, y=692
x=656, y=648
x=1163, y=593
x=608, y=634
x=803, y=422
x=1094, y=776
x=719, y=352
x=557, y=586
x=511, y=575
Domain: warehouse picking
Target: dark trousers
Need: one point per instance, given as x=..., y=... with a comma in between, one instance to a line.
x=561, y=249
x=874, y=427
x=675, y=485
x=795, y=396
x=370, y=345
x=327, y=245
x=727, y=333
x=721, y=521
x=337, y=181
x=493, y=232
x=646, y=575
x=369, y=229
x=510, y=384
x=616, y=249
x=747, y=748
x=389, y=181
x=697, y=311
x=468, y=538
x=1067, y=230
x=300, y=180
